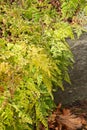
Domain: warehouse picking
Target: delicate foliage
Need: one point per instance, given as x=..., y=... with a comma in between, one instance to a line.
x=34, y=57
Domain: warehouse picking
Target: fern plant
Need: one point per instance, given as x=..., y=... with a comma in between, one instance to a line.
x=34, y=58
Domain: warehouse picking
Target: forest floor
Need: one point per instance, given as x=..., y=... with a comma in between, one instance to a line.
x=69, y=117
x=79, y=108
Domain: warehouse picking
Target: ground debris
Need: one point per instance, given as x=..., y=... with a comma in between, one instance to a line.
x=63, y=119
x=72, y=117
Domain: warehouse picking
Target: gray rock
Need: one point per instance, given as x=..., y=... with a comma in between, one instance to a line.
x=78, y=75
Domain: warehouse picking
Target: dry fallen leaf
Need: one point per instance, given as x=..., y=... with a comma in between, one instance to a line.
x=71, y=122
x=63, y=119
